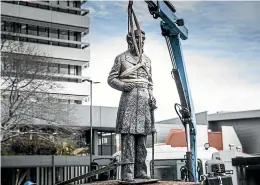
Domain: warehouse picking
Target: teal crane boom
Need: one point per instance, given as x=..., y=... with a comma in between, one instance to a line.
x=173, y=30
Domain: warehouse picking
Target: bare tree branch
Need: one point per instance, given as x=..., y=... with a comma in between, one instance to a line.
x=27, y=82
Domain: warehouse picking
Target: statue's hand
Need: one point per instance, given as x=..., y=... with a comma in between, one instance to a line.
x=128, y=87
x=153, y=103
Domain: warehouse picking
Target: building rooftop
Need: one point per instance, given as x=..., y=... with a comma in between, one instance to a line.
x=234, y=115
x=203, y=117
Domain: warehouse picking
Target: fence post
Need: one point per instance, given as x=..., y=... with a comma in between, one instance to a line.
x=53, y=170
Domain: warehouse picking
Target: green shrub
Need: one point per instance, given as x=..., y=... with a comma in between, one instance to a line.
x=64, y=147
x=24, y=145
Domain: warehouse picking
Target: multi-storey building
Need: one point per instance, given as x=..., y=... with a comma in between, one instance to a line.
x=56, y=28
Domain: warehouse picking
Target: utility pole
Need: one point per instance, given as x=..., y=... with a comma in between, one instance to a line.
x=90, y=117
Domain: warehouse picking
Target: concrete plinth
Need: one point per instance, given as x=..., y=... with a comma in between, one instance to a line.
x=117, y=182
x=139, y=181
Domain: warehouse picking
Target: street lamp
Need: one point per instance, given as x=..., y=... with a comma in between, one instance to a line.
x=90, y=146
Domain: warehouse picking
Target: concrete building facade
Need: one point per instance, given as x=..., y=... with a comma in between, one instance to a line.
x=246, y=124
x=56, y=28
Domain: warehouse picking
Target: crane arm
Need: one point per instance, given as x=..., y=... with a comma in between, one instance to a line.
x=173, y=30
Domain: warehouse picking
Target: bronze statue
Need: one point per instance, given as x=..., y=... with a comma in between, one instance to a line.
x=134, y=117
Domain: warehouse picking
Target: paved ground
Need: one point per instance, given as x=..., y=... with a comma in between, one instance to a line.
x=116, y=182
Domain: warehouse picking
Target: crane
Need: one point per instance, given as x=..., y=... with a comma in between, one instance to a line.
x=174, y=31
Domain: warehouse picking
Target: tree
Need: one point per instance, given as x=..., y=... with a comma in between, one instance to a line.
x=27, y=87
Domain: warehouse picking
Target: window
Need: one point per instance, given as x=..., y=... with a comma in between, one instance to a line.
x=63, y=101
x=77, y=36
x=54, y=33
x=3, y=25
x=43, y=42
x=78, y=101
x=63, y=3
x=9, y=26
x=53, y=68
x=13, y=65
x=24, y=28
x=73, y=80
x=73, y=46
x=33, y=40
x=55, y=43
x=63, y=34
x=107, y=143
x=44, y=6
x=63, y=69
x=43, y=32
x=32, y=30
x=72, y=36
x=72, y=70
x=77, y=69
x=12, y=2
x=76, y=4
x=23, y=3
x=63, y=44
x=32, y=4
x=17, y=27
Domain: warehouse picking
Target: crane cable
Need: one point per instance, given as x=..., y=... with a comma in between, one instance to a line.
x=131, y=14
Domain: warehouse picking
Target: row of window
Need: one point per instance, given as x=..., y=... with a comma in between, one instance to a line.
x=33, y=30
x=6, y=97
x=65, y=69
x=54, y=43
x=75, y=4
x=40, y=31
x=19, y=64
x=70, y=101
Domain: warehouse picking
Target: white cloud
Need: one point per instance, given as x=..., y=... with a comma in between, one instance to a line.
x=102, y=6
x=184, y=5
x=100, y=11
x=141, y=8
x=92, y=10
x=216, y=83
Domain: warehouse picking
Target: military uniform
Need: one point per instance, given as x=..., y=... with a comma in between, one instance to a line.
x=134, y=120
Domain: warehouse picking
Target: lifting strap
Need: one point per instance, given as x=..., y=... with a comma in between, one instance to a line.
x=139, y=64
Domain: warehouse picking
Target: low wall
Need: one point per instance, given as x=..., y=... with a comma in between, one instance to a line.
x=19, y=161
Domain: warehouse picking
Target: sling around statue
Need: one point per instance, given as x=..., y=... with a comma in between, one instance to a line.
x=134, y=117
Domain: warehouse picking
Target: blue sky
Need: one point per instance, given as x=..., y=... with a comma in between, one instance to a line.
x=222, y=54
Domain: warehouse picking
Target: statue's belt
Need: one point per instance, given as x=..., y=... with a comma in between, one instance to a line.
x=137, y=81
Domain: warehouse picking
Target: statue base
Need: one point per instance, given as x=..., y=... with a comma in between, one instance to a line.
x=118, y=182
x=140, y=181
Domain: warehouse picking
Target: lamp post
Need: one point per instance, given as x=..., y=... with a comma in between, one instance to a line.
x=90, y=117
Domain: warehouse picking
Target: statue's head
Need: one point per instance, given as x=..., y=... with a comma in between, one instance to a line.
x=129, y=40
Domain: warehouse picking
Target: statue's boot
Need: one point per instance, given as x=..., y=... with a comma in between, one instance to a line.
x=127, y=170
x=128, y=177
x=142, y=175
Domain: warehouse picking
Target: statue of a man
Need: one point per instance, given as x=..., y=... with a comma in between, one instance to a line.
x=134, y=117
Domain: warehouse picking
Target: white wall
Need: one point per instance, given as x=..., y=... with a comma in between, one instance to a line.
x=229, y=136
x=202, y=135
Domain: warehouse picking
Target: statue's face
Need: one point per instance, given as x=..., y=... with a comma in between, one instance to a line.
x=132, y=47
